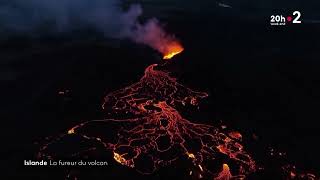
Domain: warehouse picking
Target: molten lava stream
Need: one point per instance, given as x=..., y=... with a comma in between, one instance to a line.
x=156, y=133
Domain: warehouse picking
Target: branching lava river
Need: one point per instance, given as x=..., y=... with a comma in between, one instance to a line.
x=148, y=132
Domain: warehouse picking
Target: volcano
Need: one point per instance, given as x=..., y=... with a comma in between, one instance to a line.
x=231, y=98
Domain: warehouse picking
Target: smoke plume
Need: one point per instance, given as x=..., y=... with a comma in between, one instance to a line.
x=34, y=17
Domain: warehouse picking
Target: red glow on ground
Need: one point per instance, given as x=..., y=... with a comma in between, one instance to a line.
x=156, y=129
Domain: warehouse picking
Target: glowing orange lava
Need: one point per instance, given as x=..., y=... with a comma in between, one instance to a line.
x=225, y=174
x=120, y=159
x=141, y=123
x=148, y=127
x=172, y=50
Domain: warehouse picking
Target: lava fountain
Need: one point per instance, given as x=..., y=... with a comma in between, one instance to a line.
x=172, y=49
x=153, y=34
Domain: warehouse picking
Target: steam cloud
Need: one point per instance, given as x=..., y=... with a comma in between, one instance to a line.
x=106, y=16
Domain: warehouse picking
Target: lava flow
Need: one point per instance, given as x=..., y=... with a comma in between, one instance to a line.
x=144, y=130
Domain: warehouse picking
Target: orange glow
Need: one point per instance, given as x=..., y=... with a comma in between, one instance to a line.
x=222, y=149
x=190, y=155
x=172, y=50
x=225, y=173
x=71, y=131
x=119, y=158
x=235, y=135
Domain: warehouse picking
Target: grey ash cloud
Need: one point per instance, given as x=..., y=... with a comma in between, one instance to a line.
x=36, y=17
x=28, y=16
